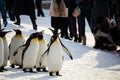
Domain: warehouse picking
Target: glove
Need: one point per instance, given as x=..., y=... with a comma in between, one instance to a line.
x=5, y=23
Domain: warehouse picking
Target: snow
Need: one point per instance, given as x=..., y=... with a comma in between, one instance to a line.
x=88, y=63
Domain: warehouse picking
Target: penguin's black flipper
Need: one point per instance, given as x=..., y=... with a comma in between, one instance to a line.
x=45, y=53
x=43, y=56
x=66, y=50
x=18, y=49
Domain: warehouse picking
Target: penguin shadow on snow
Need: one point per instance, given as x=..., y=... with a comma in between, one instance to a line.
x=20, y=74
x=47, y=77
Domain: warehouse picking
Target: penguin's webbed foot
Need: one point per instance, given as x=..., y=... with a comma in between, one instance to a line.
x=44, y=70
x=2, y=68
x=12, y=66
x=57, y=73
x=31, y=71
x=51, y=73
x=38, y=69
x=25, y=70
x=20, y=67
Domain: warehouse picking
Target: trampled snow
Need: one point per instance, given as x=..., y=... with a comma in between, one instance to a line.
x=88, y=63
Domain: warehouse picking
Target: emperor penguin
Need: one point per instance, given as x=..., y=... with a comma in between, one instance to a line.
x=16, y=41
x=30, y=52
x=41, y=65
x=54, y=54
x=1, y=54
x=6, y=48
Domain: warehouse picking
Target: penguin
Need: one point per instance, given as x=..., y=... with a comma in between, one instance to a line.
x=30, y=52
x=16, y=41
x=1, y=54
x=41, y=65
x=54, y=54
x=6, y=48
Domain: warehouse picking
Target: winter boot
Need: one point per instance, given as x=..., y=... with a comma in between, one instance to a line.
x=35, y=27
x=83, y=40
x=18, y=20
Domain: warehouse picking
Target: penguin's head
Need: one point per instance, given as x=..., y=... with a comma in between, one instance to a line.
x=3, y=33
x=34, y=35
x=40, y=35
x=17, y=31
x=55, y=34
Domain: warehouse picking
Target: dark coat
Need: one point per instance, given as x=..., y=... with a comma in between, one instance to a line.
x=3, y=10
x=9, y=4
x=100, y=8
x=72, y=5
x=58, y=16
x=24, y=7
x=115, y=33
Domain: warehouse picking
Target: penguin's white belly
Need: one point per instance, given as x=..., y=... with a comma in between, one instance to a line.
x=6, y=52
x=54, y=59
x=1, y=52
x=30, y=55
x=42, y=49
x=15, y=43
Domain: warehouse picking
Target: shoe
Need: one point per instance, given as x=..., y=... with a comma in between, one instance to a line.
x=35, y=27
x=79, y=40
x=75, y=38
x=68, y=38
x=83, y=40
x=17, y=23
x=118, y=50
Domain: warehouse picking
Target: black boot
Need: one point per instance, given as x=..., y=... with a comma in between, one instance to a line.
x=75, y=38
x=18, y=20
x=17, y=23
x=35, y=27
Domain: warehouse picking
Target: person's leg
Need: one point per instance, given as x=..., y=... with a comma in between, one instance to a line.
x=73, y=28
x=39, y=8
x=33, y=23
x=79, y=36
x=82, y=28
x=12, y=17
x=18, y=20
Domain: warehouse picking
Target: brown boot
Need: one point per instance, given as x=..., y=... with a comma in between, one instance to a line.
x=83, y=40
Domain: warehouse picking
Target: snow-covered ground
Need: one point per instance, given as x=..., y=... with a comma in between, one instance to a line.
x=88, y=63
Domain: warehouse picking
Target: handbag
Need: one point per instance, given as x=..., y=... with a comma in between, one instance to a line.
x=76, y=12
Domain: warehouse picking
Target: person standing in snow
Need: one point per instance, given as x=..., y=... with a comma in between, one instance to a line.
x=86, y=8
x=9, y=9
x=3, y=13
x=39, y=8
x=59, y=16
x=24, y=7
x=72, y=4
